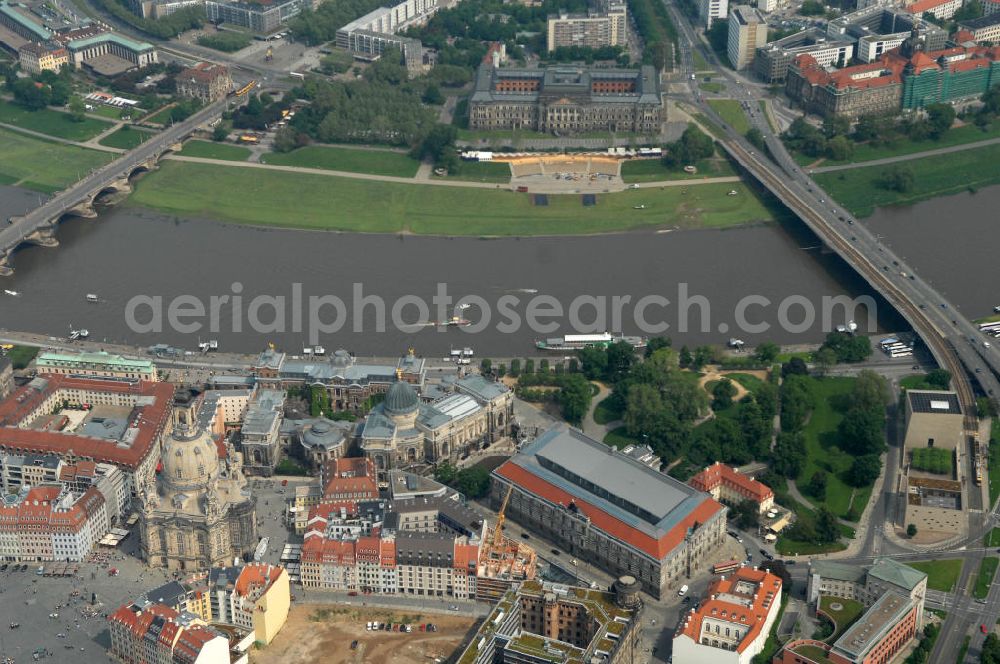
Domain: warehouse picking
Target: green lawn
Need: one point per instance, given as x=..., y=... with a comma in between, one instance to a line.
x=275, y=198
x=162, y=117
x=732, y=113
x=376, y=162
x=481, y=171
x=618, y=438
x=993, y=467
x=849, y=612
x=53, y=123
x=933, y=460
x=604, y=412
x=984, y=577
x=43, y=165
x=992, y=538
x=711, y=86
x=822, y=453
x=211, y=150
x=749, y=381
x=700, y=63
x=127, y=138
x=941, y=574
x=789, y=547
x=856, y=190
x=957, y=136
x=21, y=356
x=653, y=170
x=963, y=651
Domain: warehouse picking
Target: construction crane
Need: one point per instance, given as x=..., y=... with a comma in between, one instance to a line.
x=498, y=530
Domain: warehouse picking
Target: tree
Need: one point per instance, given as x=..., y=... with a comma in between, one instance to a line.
x=896, y=178
x=797, y=402
x=656, y=343
x=827, y=526
x=789, y=454
x=438, y=142
x=861, y=431
x=848, y=347
x=722, y=394
x=693, y=146
x=825, y=358
x=864, y=470
x=474, y=482
x=911, y=531
x=745, y=515
x=767, y=352
x=839, y=148
x=812, y=8
x=938, y=379
x=31, y=94
x=432, y=95
x=220, y=133
x=940, y=117
x=77, y=110
x=755, y=137
x=515, y=367
x=486, y=366
x=817, y=485
x=685, y=357
x=284, y=139
x=796, y=366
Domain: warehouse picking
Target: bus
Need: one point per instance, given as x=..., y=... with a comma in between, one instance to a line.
x=726, y=567
x=896, y=347
x=902, y=352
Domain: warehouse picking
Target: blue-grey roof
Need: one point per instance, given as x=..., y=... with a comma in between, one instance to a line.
x=481, y=388
x=598, y=474
x=108, y=428
x=897, y=573
x=575, y=83
x=401, y=398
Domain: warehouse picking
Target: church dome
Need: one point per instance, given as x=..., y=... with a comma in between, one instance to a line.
x=400, y=399
x=189, y=461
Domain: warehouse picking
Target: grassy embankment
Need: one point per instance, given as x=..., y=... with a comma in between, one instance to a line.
x=42, y=165
x=941, y=574
x=332, y=203
x=375, y=162
x=856, y=189
x=209, y=150
x=51, y=122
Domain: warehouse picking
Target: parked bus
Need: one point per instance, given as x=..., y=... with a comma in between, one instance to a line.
x=903, y=352
x=726, y=567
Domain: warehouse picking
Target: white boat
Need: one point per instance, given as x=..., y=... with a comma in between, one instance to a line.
x=205, y=346
x=319, y=350
x=12, y=293
x=996, y=309
x=736, y=343
x=455, y=352
x=91, y=297
x=578, y=341
x=467, y=352
x=213, y=345
x=84, y=333
x=463, y=306
x=307, y=350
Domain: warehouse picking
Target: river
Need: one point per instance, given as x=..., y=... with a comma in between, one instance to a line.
x=129, y=252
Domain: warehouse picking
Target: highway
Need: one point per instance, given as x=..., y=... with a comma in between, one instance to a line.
x=17, y=231
x=955, y=342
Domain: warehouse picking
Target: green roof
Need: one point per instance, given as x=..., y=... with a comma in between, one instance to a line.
x=897, y=573
x=99, y=358
x=829, y=569
x=79, y=44
x=39, y=30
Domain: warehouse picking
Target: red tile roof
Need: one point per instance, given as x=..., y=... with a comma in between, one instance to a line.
x=765, y=598
x=922, y=6
x=150, y=420
x=657, y=548
x=256, y=576
x=719, y=473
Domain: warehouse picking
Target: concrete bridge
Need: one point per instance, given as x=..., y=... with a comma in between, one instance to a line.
x=39, y=225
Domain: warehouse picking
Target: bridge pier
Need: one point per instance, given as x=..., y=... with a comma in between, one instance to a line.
x=43, y=237
x=5, y=269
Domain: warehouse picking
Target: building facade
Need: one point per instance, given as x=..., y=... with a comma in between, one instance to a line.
x=772, y=61
x=95, y=365
x=728, y=485
x=205, y=81
x=710, y=11
x=145, y=632
x=260, y=433
x=6, y=377
x=747, y=33
x=609, y=509
x=260, y=17
x=567, y=100
x=254, y=597
x=540, y=623
x=983, y=29
x=51, y=523
x=940, y=9
x=596, y=29
x=199, y=512
x=21, y=471
x=732, y=622
x=36, y=57
x=130, y=441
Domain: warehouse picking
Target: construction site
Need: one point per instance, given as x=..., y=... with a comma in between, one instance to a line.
x=502, y=561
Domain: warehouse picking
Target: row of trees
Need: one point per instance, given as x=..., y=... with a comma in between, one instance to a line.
x=693, y=146
x=473, y=481
x=186, y=18
x=573, y=393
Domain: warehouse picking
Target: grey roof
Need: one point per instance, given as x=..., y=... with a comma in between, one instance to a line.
x=169, y=594
x=481, y=388
x=220, y=577
x=325, y=433
x=869, y=629
x=50, y=461
x=450, y=513
x=934, y=401
x=262, y=412
x=746, y=15
x=560, y=81
x=897, y=573
x=403, y=485
x=108, y=428
x=426, y=549
x=981, y=22
x=628, y=490
x=401, y=398
x=830, y=569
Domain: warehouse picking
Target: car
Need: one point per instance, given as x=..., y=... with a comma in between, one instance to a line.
x=788, y=562
x=525, y=535
x=368, y=626
x=354, y=644
x=763, y=552
x=555, y=552
x=982, y=628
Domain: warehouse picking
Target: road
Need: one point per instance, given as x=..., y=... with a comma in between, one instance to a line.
x=907, y=157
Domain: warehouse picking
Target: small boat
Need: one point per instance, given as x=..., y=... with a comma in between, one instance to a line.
x=732, y=192
x=213, y=345
x=455, y=352
x=205, y=346
x=578, y=341
x=319, y=350
x=307, y=350
x=91, y=297
x=456, y=321
x=996, y=309
x=736, y=343
x=638, y=207
x=463, y=306
x=78, y=334
x=467, y=352
x=12, y=293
